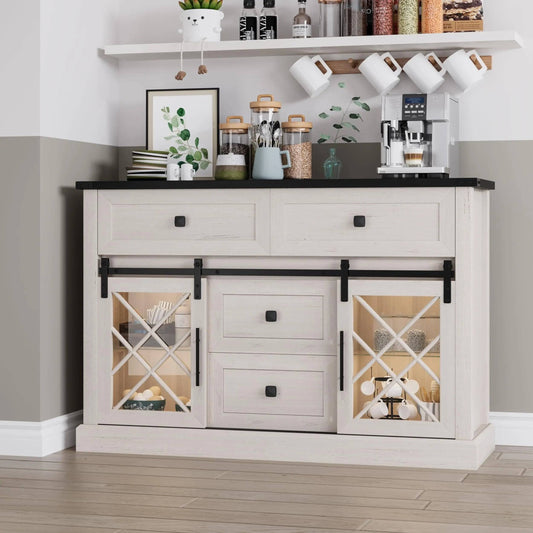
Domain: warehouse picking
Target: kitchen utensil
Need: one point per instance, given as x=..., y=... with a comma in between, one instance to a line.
x=187, y=172
x=381, y=71
x=368, y=387
x=407, y=410
x=466, y=68
x=268, y=164
x=312, y=73
x=173, y=172
x=379, y=410
x=425, y=71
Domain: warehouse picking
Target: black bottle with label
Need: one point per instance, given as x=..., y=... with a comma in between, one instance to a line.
x=268, y=21
x=248, y=22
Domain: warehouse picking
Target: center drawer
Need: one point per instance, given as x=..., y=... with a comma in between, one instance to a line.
x=183, y=222
x=275, y=392
x=272, y=316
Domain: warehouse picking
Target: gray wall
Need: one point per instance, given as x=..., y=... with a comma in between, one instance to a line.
x=19, y=279
x=41, y=272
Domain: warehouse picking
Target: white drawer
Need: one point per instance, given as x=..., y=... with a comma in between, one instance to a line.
x=302, y=387
x=272, y=316
x=216, y=222
x=397, y=222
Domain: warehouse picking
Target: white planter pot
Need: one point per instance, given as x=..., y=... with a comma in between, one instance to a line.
x=199, y=24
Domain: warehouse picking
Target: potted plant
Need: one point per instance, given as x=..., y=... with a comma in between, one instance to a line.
x=201, y=20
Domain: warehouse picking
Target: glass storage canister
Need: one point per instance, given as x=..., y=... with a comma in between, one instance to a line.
x=432, y=16
x=408, y=15
x=297, y=141
x=265, y=129
x=330, y=18
x=353, y=18
x=234, y=138
x=383, y=13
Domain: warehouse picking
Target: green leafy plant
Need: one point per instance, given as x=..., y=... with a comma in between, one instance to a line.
x=201, y=4
x=187, y=149
x=345, y=120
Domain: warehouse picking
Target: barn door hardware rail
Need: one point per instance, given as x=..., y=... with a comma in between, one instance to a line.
x=447, y=274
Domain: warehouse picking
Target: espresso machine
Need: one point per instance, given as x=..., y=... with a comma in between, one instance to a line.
x=420, y=135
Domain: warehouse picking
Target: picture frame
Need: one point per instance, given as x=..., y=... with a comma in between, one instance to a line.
x=185, y=123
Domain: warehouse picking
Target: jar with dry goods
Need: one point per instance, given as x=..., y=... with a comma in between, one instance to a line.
x=297, y=141
x=432, y=16
x=234, y=138
x=330, y=18
x=383, y=12
x=353, y=18
x=408, y=16
x=265, y=129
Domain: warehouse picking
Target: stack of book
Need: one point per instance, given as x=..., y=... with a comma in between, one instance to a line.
x=148, y=164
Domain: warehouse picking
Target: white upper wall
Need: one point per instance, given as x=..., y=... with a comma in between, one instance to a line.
x=494, y=110
x=79, y=89
x=19, y=68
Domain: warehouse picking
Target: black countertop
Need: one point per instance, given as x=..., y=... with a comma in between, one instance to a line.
x=286, y=184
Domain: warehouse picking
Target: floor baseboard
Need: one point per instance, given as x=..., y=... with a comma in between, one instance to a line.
x=38, y=439
x=513, y=429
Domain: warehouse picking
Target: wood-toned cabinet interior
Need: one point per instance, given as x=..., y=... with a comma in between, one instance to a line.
x=251, y=318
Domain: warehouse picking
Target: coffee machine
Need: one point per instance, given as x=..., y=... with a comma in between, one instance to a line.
x=420, y=135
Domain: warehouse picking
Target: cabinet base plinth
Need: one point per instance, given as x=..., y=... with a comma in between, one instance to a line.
x=291, y=447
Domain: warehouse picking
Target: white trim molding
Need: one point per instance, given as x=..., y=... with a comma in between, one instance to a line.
x=513, y=429
x=38, y=439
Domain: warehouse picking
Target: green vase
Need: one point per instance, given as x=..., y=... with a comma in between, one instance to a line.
x=332, y=166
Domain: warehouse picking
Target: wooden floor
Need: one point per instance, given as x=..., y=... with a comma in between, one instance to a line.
x=88, y=493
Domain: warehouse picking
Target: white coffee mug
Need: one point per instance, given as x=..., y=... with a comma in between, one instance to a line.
x=382, y=75
x=187, y=172
x=407, y=410
x=412, y=386
x=310, y=76
x=463, y=69
x=379, y=410
x=173, y=172
x=427, y=75
x=395, y=390
x=368, y=387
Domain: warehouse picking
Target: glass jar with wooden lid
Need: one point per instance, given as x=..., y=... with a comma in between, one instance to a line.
x=234, y=137
x=330, y=18
x=297, y=141
x=265, y=129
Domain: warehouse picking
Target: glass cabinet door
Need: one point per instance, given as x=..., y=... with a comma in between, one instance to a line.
x=398, y=357
x=152, y=354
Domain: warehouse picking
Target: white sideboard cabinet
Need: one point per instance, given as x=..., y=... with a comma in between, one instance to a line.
x=325, y=321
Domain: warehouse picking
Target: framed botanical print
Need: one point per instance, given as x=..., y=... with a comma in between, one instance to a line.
x=184, y=122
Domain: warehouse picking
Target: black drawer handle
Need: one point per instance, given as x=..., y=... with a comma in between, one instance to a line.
x=271, y=316
x=271, y=391
x=180, y=222
x=359, y=221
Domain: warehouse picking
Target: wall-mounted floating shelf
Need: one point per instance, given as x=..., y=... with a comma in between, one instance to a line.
x=442, y=42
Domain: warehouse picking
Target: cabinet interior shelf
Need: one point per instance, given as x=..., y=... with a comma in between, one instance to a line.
x=486, y=41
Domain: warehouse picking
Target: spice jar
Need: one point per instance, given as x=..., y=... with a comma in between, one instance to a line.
x=383, y=12
x=407, y=16
x=234, y=138
x=432, y=16
x=297, y=141
x=353, y=18
x=265, y=131
x=330, y=18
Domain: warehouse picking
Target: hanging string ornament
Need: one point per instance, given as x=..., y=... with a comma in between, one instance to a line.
x=202, y=69
x=181, y=74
